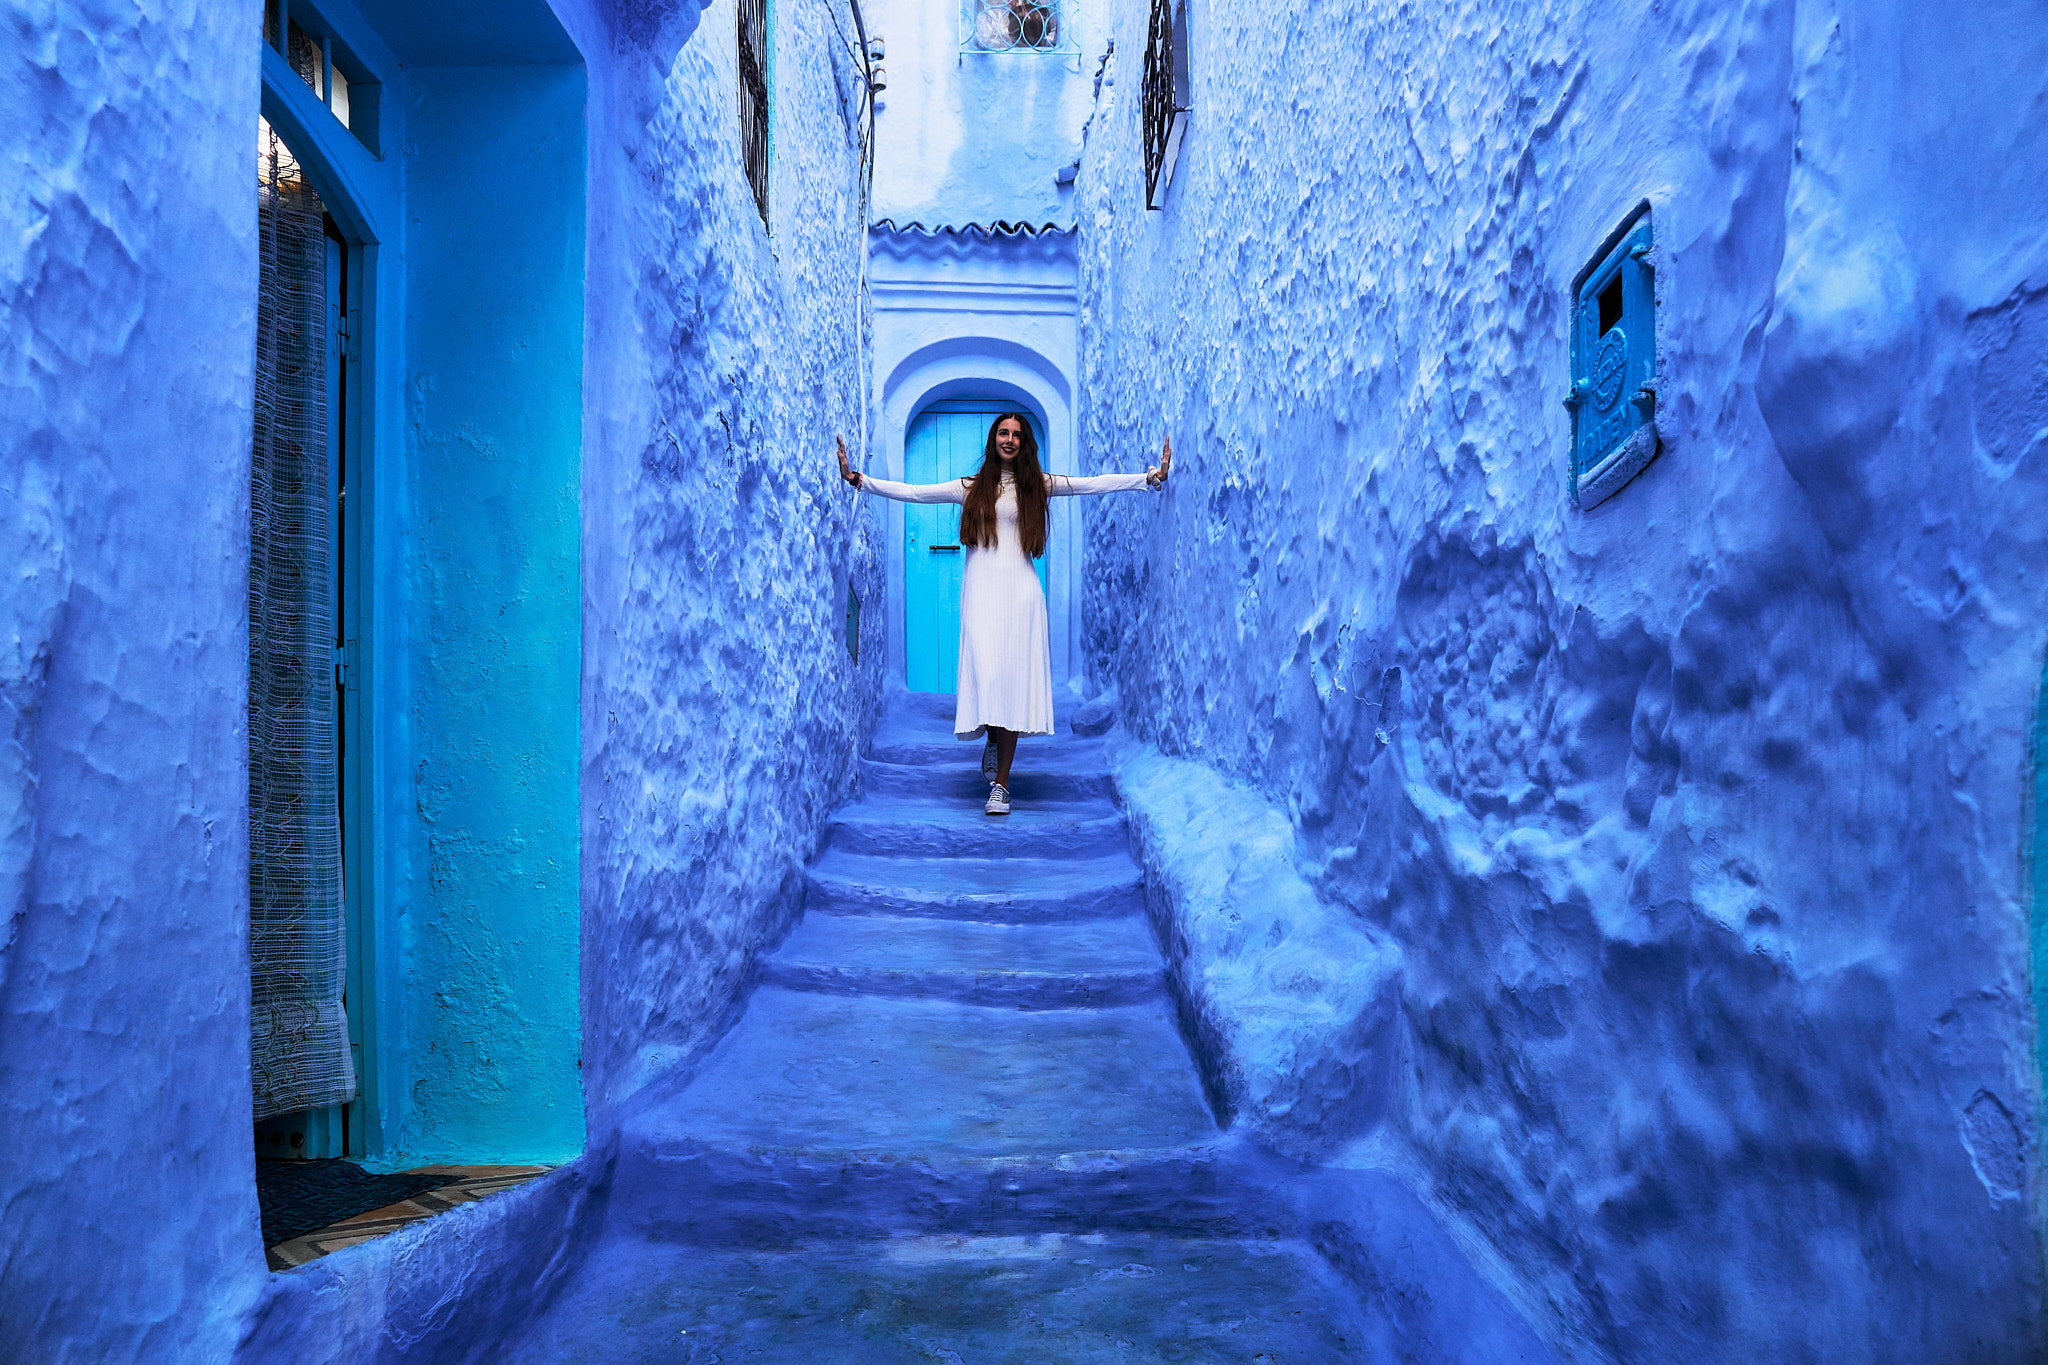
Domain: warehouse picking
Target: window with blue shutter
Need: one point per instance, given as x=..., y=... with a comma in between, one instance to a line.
x=1613, y=397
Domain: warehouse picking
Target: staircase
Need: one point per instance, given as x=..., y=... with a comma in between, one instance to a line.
x=956, y=1123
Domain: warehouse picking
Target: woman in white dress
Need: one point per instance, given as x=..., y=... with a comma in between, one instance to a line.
x=1005, y=678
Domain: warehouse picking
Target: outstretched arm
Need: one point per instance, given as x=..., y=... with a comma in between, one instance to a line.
x=951, y=491
x=1063, y=486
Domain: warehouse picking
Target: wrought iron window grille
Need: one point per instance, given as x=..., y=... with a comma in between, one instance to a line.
x=1018, y=26
x=1165, y=98
x=753, y=63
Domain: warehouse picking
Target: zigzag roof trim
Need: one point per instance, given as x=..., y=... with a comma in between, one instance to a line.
x=974, y=230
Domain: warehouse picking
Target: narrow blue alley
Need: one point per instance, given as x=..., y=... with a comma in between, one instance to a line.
x=1023, y=681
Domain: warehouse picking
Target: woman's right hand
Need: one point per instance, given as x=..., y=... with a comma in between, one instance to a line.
x=1159, y=473
x=846, y=471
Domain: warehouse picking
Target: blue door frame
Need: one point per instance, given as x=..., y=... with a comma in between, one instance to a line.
x=359, y=192
x=944, y=441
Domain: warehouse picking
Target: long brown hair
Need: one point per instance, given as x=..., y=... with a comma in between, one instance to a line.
x=978, y=517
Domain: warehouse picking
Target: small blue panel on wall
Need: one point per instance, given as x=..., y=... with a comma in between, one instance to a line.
x=1614, y=365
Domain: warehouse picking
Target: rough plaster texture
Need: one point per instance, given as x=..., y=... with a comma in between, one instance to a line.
x=722, y=713
x=124, y=987
x=1697, y=819
x=451, y=1288
x=1289, y=1002
x=967, y=138
x=126, y=298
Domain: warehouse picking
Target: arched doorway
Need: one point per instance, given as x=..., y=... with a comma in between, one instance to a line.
x=944, y=441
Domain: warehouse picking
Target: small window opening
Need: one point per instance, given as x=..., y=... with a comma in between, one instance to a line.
x=753, y=54
x=332, y=72
x=308, y=58
x=852, y=623
x=1610, y=306
x=1165, y=100
x=1014, y=26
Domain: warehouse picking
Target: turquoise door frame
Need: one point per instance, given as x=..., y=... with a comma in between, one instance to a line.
x=434, y=286
x=944, y=441
x=360, y=193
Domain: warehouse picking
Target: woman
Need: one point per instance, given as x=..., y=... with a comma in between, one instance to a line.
x=1005, y=652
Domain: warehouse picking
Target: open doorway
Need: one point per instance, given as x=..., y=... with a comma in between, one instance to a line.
x=415, y=617
x=304, y=1056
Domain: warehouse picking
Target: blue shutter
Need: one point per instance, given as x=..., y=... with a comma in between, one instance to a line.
x=1614, y=367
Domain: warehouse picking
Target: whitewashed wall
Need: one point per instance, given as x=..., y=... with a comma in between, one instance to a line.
x=978, y=138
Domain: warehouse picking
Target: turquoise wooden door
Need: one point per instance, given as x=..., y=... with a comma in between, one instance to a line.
x=945, y=441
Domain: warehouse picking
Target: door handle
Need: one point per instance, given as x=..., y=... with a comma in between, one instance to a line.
x=945, y=549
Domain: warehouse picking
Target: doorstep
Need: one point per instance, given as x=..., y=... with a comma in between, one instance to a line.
x=466, y=1185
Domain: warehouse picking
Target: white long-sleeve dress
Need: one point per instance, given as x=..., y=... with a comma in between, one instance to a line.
x=1005, y=642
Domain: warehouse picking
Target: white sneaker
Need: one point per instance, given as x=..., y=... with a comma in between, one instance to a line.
x=998, y=800
x=988, y=760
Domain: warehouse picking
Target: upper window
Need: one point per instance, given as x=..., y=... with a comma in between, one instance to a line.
x=753, y=41
x=1011, y=26
x=1165, y=96
x=1613, y=397
x=329, y=69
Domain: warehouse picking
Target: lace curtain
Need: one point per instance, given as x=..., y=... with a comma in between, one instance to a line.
x=299, y=1036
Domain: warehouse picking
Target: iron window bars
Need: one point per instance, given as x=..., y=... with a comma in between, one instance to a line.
x=753, y=46
x=1165, y=101
x=337, y=78
x=1012, y=26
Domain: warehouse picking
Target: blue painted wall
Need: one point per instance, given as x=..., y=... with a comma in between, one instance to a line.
x=127, y=334
x=701, y=374
x=1699, y=820
x=494, y=358
x=722, y=714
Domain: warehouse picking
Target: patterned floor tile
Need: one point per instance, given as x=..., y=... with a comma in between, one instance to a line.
x=466, y=1185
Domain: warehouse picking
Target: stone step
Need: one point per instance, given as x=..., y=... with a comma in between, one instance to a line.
x=1079, y=1299
x=1034, y=752
x=1038, y=966
x=908, y=1079
x=962, y=781
x=921, y=829
x=992, y=890
x=671, y=1188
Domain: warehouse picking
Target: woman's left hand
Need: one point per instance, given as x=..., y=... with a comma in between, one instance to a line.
x=1157, y=475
